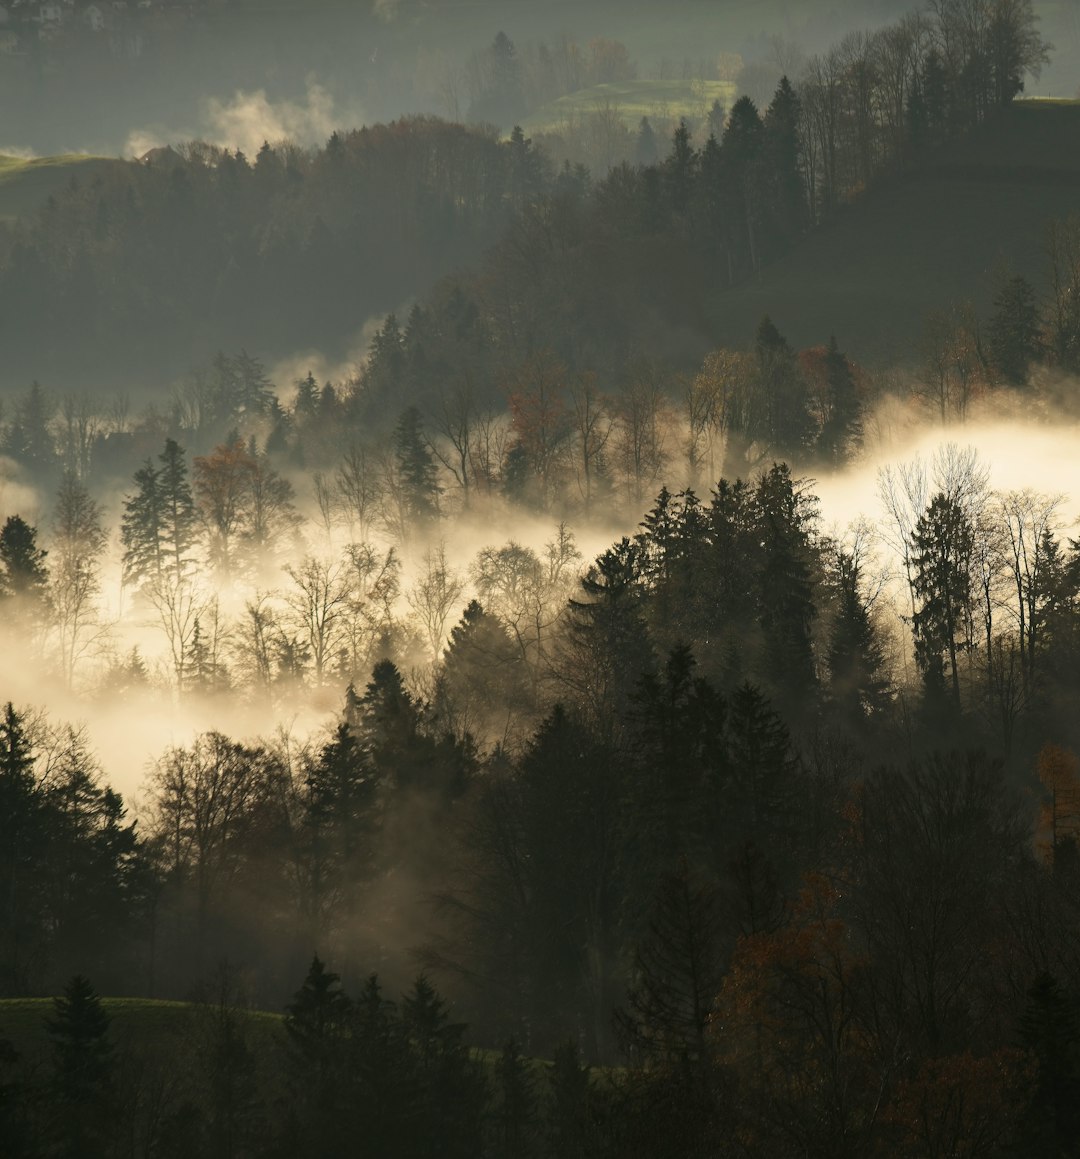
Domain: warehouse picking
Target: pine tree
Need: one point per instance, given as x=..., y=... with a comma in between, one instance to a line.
x=417, y=466
x=179, y=524
x=782, y=177
x=678, y=973
x=842, y=430
x=83, y=1067
x=783, y=393
x=762, y=797
x=646, y=151
x=786, y=595
x=22, y=837
x=571, y=1127
x=858, y=683
x=942, y=543
x=318, y=1023
x=452, y=1090
x=1049, y=1030
x=142, y=528
x=1014, y=338
x=515, y=1112
x=23, y=575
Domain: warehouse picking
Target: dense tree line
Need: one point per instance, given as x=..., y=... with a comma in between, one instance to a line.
x=813, y=902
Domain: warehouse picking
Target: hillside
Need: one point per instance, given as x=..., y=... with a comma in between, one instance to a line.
x=152, y=1025
x=662, y=100
x=26, y=184
x=938, y=235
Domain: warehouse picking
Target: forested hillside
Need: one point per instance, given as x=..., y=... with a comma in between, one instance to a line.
x=513, y=655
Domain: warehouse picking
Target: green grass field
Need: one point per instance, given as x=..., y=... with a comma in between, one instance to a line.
x=153, y=1026
x=26, y=184
x=660, y=100
x=940, y=235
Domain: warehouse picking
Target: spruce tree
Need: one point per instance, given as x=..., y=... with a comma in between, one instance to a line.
x=142, y=528
x=843, y=426
x=1014, y=333
x=23, y=573
x=416, y=464
x=179, y=522
x=83, y=1066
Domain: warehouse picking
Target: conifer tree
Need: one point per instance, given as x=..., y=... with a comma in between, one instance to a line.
x=1014, y=339
x=83, y=1066
x=179, y=522
x=843, y=426
x=142, y=528
x=515, y=1111
x=858, y=683
x=23, y=574
x=417, y=468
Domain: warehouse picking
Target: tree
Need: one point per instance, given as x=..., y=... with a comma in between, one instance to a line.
x=1049, y=1030
x=858, y=683
x=1014, y=334
x=222, y=487
x=82, y=1071
x=21, y=837
x=646, y=150
x=515, y=1115
x=433, y=597
x=23, y=575
x=416, y=465
x=678, y=974
x=142, y=528
x=180, y=519
x=450, y=1085
x=942, y=542
x=783, y=393
x=842, y=429
x=78, y=543
x=318, y=1026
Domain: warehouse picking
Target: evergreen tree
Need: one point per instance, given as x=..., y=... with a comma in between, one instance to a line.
x=571, y=1125
x=142, y=528
x=1049, y=1030
x=419, y=478
x=762, y=799
x=22, y=838
x=318, y=1025
x=515, y=1110
x=942, y=542
x=858, y=684
x=787, y=593
x=782, y=177
x=678, y=974
x=83, y=1068
x=646, y=151
x=843, y=426
x=451, y=1087
x=28, y=440
x=1014, y=338
x=179, y=522
x=784, y=399
x=23, y=575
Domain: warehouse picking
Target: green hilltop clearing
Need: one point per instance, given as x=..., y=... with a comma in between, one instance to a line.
x=148, y=1023
x=26, y=183
x=661, y=100
x=944, y=233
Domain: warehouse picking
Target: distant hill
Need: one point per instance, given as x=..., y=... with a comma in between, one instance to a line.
x=662, y=100
x=26, y=184
x=937, y=235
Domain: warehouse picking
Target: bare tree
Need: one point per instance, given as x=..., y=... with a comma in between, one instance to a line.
x=318, y=602
x=435, y=595
x=178, y=604
x=360, y=487
x=75, y=573
x=592, y=427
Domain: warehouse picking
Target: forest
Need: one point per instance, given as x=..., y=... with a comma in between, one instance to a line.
x=519, y=725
